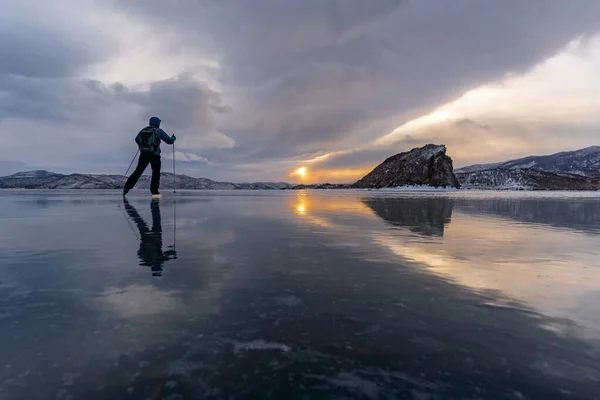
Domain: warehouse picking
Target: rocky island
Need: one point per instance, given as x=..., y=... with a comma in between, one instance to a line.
x=428, y=166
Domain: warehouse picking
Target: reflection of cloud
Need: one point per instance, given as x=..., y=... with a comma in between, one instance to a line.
x=550, y=272
x=138, y=300
x=190, y=222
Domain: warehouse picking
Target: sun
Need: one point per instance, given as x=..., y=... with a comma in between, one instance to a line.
x=301, y=172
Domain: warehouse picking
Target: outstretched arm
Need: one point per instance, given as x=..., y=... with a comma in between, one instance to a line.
x=166, y=138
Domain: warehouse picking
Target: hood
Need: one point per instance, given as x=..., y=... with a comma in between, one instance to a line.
x=155, y=121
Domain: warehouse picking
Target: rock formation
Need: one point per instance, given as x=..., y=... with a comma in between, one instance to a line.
x=428, y=165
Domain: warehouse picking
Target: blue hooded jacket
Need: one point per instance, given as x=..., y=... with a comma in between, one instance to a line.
x=155, y=121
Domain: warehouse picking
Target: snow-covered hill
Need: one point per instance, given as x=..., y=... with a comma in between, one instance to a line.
x=50, y=180
x=585, y=162
x=523, y=179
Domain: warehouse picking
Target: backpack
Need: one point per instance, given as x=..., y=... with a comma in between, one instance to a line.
x=149, y=139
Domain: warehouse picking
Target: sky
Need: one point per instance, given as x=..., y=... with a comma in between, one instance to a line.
x=256, y=90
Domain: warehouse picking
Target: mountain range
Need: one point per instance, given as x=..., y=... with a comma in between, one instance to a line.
x=567, y=170
x=51, y=180
x=584, y=162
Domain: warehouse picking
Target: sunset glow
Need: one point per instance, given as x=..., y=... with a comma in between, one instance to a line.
x=301, y=172
x=340, y=175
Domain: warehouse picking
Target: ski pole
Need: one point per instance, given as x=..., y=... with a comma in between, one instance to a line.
x=128, y=168
x=174, y=177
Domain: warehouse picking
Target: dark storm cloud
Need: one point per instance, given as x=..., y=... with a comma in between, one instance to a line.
x=49, y=39
x=42, y=78
x=40, y=52
x=43, y=55
x=59, y=100
x=185, y=102
x=182, y=101
x=316, y=73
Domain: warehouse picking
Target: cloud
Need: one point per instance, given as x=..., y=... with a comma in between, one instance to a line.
x=190, y=157
x=187, y=103
x=186, y=106
x=265, y=83
x=59, y=39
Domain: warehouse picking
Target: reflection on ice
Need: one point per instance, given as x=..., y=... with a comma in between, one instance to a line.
x=138, y=300
x=554, y=271
x=150, y=251
x=299, y=294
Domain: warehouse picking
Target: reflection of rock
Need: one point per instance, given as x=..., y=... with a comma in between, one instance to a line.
x=427, y=165
x=580, y=215
x=426, y=216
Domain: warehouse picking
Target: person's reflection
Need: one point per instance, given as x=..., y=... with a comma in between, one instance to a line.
x=150, y=252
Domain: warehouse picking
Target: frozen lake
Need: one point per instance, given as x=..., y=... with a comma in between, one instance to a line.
x=299, y=295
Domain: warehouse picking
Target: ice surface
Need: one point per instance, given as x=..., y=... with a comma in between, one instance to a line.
x=393, y=293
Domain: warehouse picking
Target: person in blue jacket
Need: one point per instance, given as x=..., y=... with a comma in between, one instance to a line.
x=148, y=140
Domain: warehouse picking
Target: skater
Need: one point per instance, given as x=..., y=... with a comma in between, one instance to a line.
x=148, y=140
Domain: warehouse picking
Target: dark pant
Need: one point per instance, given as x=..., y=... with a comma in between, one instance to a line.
x=143, y=161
